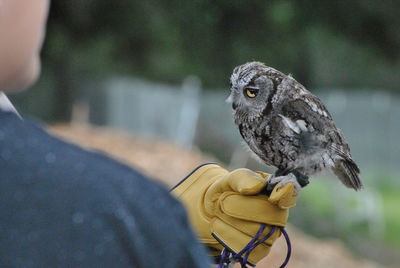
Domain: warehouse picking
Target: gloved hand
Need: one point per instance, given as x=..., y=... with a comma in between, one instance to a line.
x=227, y=205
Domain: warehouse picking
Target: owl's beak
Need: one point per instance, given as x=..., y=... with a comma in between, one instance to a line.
x=229, y=99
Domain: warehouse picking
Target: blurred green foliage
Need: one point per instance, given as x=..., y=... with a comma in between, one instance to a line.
x=326, y=209
x=344, y=44
x=391, y=201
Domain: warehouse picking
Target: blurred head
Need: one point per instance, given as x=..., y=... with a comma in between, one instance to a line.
x=22, y=28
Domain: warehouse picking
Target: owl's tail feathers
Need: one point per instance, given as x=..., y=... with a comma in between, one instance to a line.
x=348, y=172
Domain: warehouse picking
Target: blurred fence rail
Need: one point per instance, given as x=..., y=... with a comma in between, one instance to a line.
x=188, y=115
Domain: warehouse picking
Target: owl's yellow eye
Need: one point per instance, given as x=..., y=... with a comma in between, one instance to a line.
x=251, y=92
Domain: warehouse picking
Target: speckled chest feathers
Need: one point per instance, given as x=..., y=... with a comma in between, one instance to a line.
x=286, y=126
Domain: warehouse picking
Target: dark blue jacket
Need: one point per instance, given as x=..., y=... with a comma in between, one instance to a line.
x=62, y=206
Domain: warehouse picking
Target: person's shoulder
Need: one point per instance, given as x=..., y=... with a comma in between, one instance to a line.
x=103, y=197
x=30, y=151
x=26, y=146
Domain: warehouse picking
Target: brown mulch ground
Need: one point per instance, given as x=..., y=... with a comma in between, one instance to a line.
x=168, y=163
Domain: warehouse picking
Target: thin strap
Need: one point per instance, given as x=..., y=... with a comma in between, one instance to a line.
x=228, y=258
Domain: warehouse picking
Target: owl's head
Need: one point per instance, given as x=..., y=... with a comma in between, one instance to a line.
x=251, y=85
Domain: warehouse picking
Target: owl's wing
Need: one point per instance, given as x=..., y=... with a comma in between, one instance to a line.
x=308, y=117
x=310, y=109
x=311, y=123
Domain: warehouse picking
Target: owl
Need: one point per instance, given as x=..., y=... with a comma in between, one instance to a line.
x=286, y=126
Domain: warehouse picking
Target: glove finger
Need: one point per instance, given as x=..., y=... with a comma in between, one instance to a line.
x=247, y=182
x=241, y=180
x=251, y=208
x=249, y=228
x=284, y=197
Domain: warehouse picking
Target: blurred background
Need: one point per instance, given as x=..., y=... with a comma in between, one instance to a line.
x=159, y=71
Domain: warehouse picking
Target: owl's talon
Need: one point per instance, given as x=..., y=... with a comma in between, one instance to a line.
x=281, y=181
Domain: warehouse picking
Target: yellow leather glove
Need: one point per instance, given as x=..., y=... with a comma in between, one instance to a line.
x=227, y=205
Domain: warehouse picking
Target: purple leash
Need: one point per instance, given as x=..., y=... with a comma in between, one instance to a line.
x=289, y=247
x=228, y=258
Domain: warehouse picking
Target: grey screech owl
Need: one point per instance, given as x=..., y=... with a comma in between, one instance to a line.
x=288, y=127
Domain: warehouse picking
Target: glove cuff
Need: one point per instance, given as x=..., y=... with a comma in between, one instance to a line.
x=188, y=179
x=191, y=191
